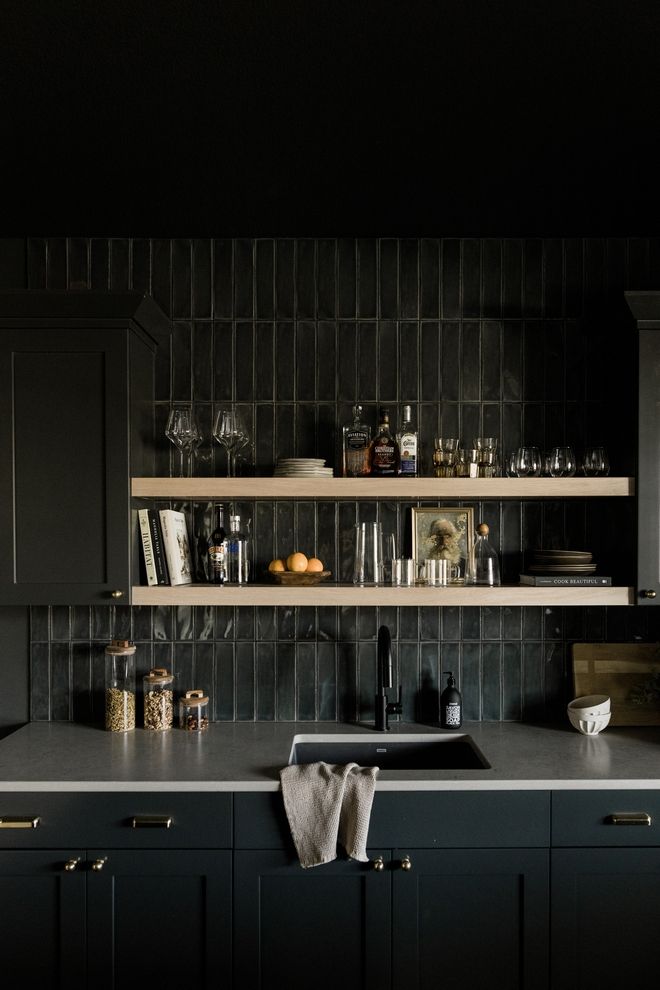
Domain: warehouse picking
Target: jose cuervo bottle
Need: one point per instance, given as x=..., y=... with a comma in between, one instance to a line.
x=407, y=440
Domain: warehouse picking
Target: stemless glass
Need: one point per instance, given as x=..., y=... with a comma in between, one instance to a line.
x=184, y=432
x=561, y=462
x=528, y=462
x=229, y=431
x=595, y=462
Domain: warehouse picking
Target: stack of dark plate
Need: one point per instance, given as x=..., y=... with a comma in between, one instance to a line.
x=562, y=562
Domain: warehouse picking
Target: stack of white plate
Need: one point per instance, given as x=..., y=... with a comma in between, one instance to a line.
x=302, y=467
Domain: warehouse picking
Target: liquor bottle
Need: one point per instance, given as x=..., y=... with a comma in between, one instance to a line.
x=485, y=565
x=384, y=450
x=238, y=552
x=451, y=706
x=356, y=437
x=407, y=440
x=217, y=549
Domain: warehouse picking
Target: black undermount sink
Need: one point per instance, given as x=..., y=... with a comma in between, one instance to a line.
x=410, y=751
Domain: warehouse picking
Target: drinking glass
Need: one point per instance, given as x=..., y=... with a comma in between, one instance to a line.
x=368, y=553
x=528, y=462
x=595, y=462
x=561, y=462
x=510, y=465
x=184, y=432
x=229, y=431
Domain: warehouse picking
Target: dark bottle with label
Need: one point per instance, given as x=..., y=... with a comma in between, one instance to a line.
x=451, y=706
x=384, y=450
x=217, y=549
x=356, y=437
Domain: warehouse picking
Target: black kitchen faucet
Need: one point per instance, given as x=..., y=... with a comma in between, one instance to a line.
x=384, y=708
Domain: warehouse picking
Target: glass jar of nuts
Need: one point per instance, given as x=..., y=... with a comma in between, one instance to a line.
x=120, y=685
x=194, y=711
x=158, y=699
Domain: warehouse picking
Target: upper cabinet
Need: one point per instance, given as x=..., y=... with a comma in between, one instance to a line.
x=76, y=422
x=645, y=307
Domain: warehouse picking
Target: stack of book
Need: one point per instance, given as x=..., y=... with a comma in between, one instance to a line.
x=165, y=546
x=563, y=568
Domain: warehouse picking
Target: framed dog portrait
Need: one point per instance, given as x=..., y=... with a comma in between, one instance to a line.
x=444, y=533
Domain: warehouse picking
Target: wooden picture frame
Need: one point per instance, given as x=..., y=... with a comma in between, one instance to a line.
x=444, y=532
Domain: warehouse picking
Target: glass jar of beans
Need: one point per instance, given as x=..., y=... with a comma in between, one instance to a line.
x=158, y=699
x=193, y=711
x=120, y=685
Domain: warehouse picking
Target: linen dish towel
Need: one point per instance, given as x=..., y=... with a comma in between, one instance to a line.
x=327, y=803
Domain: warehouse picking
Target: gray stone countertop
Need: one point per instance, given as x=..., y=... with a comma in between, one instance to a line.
x=49, y=756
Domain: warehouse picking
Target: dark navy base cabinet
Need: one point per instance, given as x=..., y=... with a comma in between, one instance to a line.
x=460, y=917
x=76, y=420
x=605, y=918
x=605, y=909
x=471, y=918
x=43, y=929
x=327, y=927
x=131, y=903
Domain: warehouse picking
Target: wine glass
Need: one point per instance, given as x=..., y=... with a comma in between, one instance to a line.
x=184, y=432
x=595, y=462
x=229, y=431
x=528, y=462
x=561, y=462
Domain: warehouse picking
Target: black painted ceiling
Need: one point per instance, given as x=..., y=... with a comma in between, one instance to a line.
x=330, y=117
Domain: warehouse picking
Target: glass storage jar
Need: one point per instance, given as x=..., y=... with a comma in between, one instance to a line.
x=120, y=685
x=158, y=699
x=194, y=711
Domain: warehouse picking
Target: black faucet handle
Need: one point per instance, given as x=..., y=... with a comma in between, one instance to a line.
x=395, y=707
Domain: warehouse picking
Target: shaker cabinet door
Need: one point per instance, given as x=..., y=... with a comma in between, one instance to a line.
x=327, y=927
x=604, y=918
x=465, y=919
x=64, y=492
x=42, y=907
x=159, y=918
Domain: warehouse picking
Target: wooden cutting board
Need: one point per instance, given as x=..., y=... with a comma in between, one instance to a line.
x=617, y=669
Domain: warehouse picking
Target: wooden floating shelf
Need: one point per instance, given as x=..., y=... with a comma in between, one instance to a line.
x=350, y=595
x=438, y=489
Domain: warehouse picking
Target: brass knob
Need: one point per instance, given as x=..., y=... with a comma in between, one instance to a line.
x=98, y=864
x=648, y=593
x=71, y=864
x=406, y=863
x=117, y=594
x=378, y=864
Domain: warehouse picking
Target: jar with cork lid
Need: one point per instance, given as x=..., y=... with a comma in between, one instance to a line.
x=194, y=711
x=158, y=699
x=120, y=685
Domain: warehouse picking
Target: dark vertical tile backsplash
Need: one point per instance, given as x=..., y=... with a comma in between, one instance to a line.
x=527, y=339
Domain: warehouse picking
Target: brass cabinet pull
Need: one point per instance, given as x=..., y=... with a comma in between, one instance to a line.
x=378, y=864
x=117, y=594
x=98, y=864
x=628, y=818
x=151, y=821
x=20, y=821
x=71, y=864
x=406, y=863
x=647, y=593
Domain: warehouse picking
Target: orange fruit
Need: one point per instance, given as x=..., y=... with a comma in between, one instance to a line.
x=314, y=564
x=276, y=566
x=296, y=562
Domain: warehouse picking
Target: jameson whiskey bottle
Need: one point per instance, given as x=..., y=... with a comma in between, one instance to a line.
x=356, y=437
x=217, y=549
x=384, y=450
x=407, y=440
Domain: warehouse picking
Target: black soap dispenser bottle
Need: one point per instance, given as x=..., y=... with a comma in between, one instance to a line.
x=451, y=706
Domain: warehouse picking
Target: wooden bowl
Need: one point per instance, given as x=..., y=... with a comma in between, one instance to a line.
x=300, y=578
